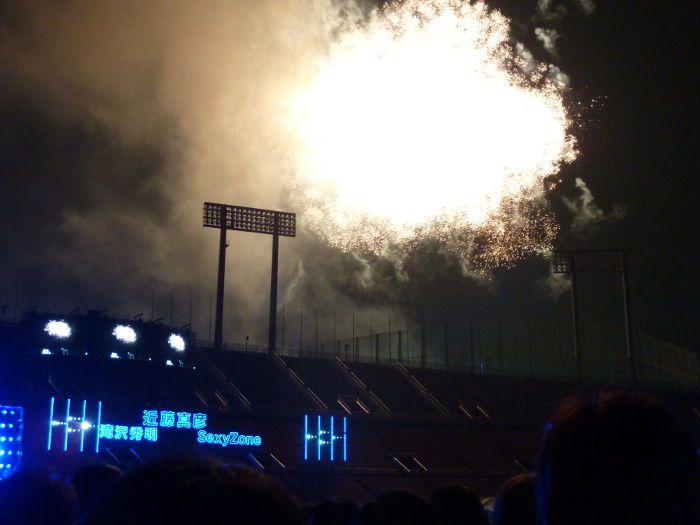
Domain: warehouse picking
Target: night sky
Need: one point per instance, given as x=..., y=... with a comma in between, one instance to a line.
x=111, y=138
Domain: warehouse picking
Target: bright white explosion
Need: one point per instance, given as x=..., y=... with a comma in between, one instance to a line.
x=124, y=333
x=59, y=329
x=423, y=121
x=177, y=342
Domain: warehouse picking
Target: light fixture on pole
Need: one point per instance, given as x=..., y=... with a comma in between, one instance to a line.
x=254, y=220
x=599, y=261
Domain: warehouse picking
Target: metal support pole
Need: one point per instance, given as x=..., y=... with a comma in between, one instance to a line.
x=218, y=322
x=389, y=319
x=575, y=326
x=447, y=346
x=209, y=323
x=471, y=346
x=353, y=333
x=400, y=348
x=629, y=341
x=500, y=346
x=530, y=346
x=272, y=329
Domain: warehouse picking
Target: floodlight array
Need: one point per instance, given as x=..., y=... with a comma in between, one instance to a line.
x=95, y=335
x=595, y=261
x=254, y=220
x=124, y=333
x=177, y=342
x=59, y=329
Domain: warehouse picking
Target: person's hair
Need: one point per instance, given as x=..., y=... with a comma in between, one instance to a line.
x=194, y=491
x=35, y=497
x=397, y=507
x=456, y=504
x=334, y=512
x=616, y=458
x=515, y=501
x=92, y=481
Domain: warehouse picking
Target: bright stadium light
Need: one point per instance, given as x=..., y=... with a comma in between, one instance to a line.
x=176, y=342
x=168, y=362
x=124, y=333
x=59, y=329
x=114, y=355
x=46, y=351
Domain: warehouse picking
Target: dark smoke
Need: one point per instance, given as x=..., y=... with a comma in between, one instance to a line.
x=120, y=118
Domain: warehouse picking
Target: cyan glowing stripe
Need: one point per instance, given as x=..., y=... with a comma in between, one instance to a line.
x=306, y=437
x=48, y=444
x=65, y=434
x=318, y=438
x=82, y=426
x=97, y=428
x=345, y=439
x=332, y=441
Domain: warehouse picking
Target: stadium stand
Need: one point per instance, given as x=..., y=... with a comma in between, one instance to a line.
x=410, y=428
x=392, y=388
x=262, y=381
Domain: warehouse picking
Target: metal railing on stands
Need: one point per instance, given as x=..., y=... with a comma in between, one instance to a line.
x=521, y=348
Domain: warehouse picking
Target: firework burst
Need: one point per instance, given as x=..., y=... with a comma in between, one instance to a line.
x=425, y=121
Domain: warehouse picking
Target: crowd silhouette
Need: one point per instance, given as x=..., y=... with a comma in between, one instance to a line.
x=606, y=458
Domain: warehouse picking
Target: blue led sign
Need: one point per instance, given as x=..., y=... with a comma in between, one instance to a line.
x=325, y=442
x=67, y=426
x=11, y=428
x=232, y=438
x=128, y=433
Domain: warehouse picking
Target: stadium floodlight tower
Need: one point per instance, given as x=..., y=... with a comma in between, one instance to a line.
x=599, y=261
x=254, y=220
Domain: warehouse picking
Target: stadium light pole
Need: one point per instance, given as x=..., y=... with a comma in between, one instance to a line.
x=600, y=261
x=254, y=220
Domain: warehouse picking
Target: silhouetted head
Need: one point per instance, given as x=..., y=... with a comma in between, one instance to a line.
x=92, y=481
x=194, y=491
x=34, y=497
x=515, y=501
x=456, y=504
x=616, y=458
x=398, y=507
x=335, y=513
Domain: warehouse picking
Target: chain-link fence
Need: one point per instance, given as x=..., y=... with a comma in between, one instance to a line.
x=528, y=347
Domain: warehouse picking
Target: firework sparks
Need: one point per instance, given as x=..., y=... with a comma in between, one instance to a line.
x=425, y=121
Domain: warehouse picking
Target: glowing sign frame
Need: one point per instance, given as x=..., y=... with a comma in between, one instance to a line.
x=11, y=430
x=325, y=438
x=69, y=424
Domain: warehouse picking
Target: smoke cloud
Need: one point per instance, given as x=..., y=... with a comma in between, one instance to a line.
x=549, y=14
x=587, y=215
x=554, y=285
x=122, y=118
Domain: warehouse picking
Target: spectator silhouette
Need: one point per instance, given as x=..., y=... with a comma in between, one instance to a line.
x=457, y=505
x=616, y=458
x=398, y=507
x=340, y=512
x=33, y=497
x=515, y=501
x=195, y=491
x=91, y=482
